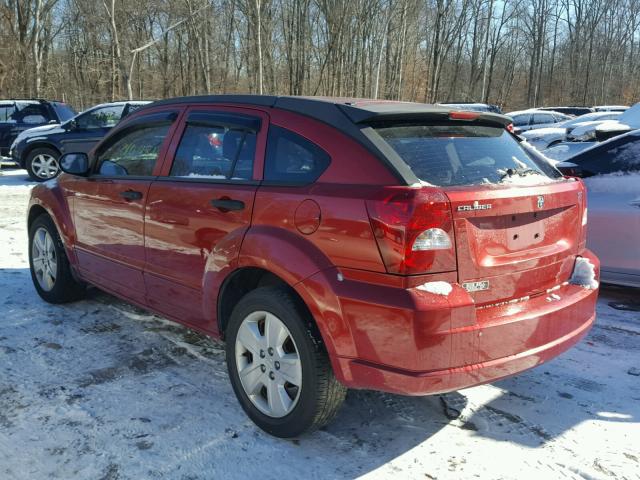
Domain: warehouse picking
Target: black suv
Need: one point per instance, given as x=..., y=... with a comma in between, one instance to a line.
x=38, y=149
x=19, y=115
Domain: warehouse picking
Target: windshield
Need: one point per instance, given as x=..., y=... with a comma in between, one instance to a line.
x=64, y=111
x=448, y=155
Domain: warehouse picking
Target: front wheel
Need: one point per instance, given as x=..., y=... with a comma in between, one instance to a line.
x=50, y=269
x=278, y=366
x=42, y=164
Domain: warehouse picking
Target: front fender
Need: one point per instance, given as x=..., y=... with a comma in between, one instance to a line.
x=50, y=197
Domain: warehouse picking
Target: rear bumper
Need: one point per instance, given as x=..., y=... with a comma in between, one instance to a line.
x=412, y=342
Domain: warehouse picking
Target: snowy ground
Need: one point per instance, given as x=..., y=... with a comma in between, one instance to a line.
x=102, y=390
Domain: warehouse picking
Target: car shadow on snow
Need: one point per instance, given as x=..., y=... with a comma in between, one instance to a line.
x=14, y=176
x=121, y=380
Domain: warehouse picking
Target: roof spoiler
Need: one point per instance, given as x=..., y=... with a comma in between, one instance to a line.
x=410, y=112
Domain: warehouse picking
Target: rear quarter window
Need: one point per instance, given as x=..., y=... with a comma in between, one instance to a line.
x=539, y=118
x=292, y=158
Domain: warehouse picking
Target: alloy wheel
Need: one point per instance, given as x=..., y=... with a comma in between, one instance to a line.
x=45, y=166
x=43, y=255
x=268, y=364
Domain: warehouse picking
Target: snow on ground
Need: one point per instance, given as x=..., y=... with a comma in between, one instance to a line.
x=102, y=390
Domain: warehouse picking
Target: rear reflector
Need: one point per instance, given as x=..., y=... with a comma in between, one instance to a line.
x=463, y=115
x=414, y=230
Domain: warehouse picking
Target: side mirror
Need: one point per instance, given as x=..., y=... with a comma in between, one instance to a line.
x=72, y=125
x=75, y=163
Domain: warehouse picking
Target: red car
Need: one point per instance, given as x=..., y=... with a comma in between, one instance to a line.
x=333, y=244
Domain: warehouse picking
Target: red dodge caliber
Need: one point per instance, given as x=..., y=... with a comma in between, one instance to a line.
x=333, y=244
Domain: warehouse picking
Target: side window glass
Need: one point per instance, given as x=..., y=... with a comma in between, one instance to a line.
x=106, y=117
x=6, y=113
x=133, y=154
x=520, y=120
x=215, y=152
x=542, y=118
x=292, y=158
x=31, y=114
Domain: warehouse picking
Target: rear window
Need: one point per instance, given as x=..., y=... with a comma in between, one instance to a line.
x=448, y=155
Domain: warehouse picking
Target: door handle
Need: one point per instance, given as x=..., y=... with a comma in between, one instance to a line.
x=131, y=195
x=635, y=203
x=226, y=204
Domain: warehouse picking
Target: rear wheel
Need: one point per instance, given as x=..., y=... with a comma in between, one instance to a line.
x=50, y=270
x=42, y=164
x=278, y=366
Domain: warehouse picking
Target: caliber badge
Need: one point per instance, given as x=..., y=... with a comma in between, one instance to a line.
x=476, y=206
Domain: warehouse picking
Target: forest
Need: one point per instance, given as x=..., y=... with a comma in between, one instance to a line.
x=513, y=53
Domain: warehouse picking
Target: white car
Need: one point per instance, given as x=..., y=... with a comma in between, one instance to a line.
x=627, y=121
x=610, y=108
x=543, y=138
x=533, y=118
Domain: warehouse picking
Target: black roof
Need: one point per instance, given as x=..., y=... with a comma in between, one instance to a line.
x=353, y=117
x=330, y=109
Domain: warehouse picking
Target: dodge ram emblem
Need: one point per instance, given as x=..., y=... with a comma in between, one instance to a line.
x=540, y=201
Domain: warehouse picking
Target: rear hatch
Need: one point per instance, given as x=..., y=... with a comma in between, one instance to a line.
x=524, y=244
x=517, y=223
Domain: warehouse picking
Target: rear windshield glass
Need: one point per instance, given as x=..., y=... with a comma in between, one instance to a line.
x=448, y=155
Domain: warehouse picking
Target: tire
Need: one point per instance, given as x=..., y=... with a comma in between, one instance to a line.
x=60, y=286
x=42, y=164
x=317, y=399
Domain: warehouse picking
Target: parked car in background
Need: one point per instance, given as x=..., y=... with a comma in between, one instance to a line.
x=627, y=121
x=610, y=108
x=19, y=115
x=573, y=111
x=38, y=149
x=473, y=106
x=611, y=173
x=565, y=150
x=542, y=138
x=532, y=119
x=333, y=244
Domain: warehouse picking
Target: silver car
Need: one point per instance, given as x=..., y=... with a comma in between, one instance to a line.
x=611, y=173
x=532, y=119
x=542, y=138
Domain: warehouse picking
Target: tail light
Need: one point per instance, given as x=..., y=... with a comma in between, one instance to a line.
x=509, y=128
x=414, y=230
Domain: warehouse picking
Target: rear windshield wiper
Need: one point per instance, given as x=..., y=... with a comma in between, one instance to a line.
x=522, y=172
